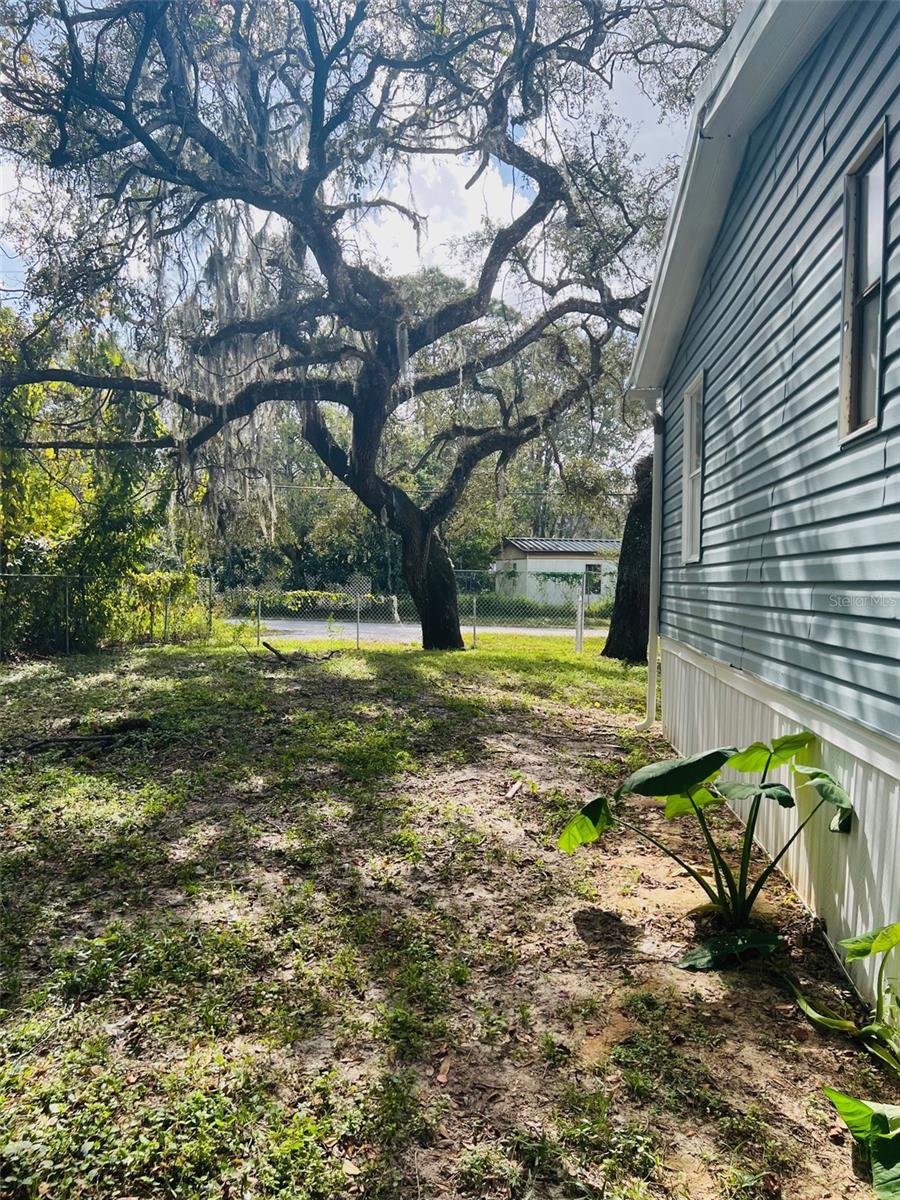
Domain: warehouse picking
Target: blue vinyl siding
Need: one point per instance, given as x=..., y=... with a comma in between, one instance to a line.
x=799, y=577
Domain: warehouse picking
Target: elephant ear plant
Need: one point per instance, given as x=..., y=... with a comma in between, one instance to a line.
x=690, y=786
x=880, y=1032
x=875, y=1127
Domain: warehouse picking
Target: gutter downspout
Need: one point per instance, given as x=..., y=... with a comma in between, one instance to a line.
x=652, y=402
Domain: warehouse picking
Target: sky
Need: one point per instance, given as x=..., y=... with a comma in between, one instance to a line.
x=439, y=190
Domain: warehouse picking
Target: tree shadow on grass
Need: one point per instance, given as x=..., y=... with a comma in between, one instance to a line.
x=215, y=879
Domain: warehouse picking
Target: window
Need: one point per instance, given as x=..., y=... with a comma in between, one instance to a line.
x=864, y=209
x=692, y=471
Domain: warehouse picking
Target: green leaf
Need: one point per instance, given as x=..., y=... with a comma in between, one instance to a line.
x=842, y=821
x=856, y=1114
x=679, y=806
x=778, y=792
x=876, y=1126
x=735, y=793
x=826, y=785
x=886, y=1056
x=726, y=947
x=578, y=832
x=752, y=758
x=785, y=748
x=876, y=941
x=674, y=776
x=884, y=1151
x=824, y=1018
x=599, y=813
x=595, y=818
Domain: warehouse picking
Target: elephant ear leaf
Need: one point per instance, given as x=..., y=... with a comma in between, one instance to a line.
x=737, y=792
x=876, y=941
x=753, y=758
x=787, y=747
x=877, y=1127
x=826, y=785
x=674, y=776
x=678, y=806
x=884, y=1149
x=759, y=755
x=778, y=792
x=856, y=1114
x=728, y=948
x=595, y=818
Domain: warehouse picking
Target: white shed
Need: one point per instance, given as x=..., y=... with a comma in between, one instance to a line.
x=552, y=569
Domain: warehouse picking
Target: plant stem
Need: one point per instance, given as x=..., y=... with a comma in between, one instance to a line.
x=762, y=778
x=749, y=835
x=747, y=848
x=724, y=877
x=879, y=989
x=760, y=883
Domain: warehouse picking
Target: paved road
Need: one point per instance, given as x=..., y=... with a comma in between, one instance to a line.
x=384, y=631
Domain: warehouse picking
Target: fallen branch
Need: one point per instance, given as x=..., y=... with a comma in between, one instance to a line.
x=299, y=655
x=102, y=737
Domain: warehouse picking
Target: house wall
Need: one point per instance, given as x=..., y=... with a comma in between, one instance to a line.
x=799, y=579
x=791, y=618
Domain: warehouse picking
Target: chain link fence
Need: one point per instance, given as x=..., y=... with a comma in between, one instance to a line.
x=60, y=614
x=488, y=601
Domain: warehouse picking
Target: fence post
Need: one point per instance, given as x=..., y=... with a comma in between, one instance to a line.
x=474, y=620
x=258, y=618
x=166, y=615
x=358, y=605
x=67, y=614
x=209, y=608
x=579, y=623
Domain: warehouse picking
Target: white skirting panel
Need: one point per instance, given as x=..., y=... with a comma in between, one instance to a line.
x=852, y=881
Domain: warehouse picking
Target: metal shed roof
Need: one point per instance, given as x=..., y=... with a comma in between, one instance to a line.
x=580, y=546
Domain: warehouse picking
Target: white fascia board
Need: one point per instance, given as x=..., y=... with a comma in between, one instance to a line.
x=769, y=41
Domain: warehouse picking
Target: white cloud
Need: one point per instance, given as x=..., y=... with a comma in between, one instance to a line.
x=438, y=191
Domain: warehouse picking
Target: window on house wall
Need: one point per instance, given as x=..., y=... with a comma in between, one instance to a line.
x=692, y=471
x=864, y=210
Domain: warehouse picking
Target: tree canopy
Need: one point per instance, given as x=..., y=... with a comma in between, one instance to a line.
x=209, y=173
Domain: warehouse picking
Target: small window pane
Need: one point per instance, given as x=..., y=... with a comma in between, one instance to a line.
x=697, y=449
x=871, y=224
x=867, y=348
x=695, y=516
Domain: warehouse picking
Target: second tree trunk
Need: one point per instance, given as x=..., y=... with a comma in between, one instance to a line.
x=432, y=584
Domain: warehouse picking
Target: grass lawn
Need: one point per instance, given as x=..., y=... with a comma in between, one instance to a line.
x=303, y=933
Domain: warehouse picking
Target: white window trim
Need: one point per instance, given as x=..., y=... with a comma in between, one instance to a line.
x=850, y=250
x=691, y=473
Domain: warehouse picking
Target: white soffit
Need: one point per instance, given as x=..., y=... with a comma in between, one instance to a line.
x=769, y=41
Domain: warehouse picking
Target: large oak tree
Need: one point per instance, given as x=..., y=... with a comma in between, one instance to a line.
x=207, y=171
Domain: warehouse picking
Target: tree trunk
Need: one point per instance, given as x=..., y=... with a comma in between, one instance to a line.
x=429, y=576
x=629, y=624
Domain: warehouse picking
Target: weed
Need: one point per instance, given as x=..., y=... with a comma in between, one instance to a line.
x=554, y=1052
x=488, y=1171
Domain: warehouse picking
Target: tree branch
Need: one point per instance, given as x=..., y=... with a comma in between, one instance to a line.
x=468, y=371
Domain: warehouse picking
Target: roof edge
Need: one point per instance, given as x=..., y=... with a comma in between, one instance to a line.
x=768, y=42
